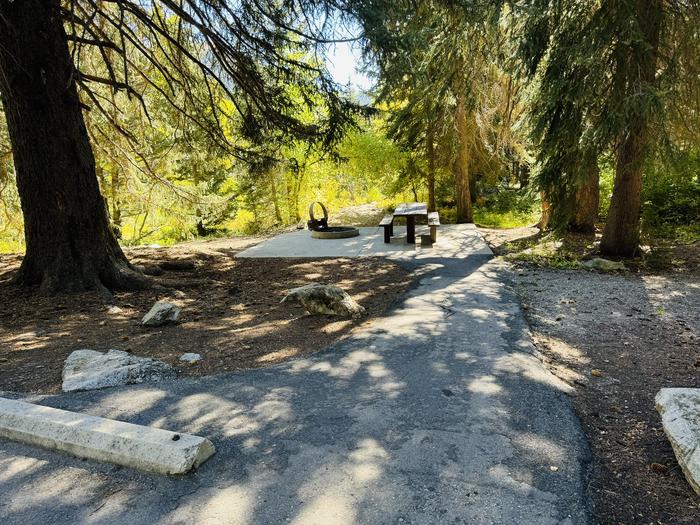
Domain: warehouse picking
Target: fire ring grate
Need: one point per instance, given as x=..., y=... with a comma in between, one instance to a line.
x=335, y=232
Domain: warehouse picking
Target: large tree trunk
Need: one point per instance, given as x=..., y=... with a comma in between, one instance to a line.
x=430, y=145
x=587, y=197
x=461, y=164
x=621, y=234
x=546, y=213
x=69, y=244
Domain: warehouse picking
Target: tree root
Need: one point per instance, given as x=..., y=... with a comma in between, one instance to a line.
x=114, y=274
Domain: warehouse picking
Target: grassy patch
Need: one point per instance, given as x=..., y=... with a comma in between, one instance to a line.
x=508, y=219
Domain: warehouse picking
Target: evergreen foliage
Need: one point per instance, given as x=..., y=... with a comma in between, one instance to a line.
x=209, y=117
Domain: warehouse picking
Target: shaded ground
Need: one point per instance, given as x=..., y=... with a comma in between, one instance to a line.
x=436, y=413
x=498, y=239
x=232, y=314
x=529, y=244
x=617, y=339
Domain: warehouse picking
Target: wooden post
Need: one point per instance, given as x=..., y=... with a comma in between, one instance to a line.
x=411, y=229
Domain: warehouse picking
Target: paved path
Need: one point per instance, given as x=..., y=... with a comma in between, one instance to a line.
x=436, y=413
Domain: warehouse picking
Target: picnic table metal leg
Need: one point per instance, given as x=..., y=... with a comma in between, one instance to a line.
x=411, y=229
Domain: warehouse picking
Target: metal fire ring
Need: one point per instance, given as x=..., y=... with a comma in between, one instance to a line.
x=335, y=232
x=320, y=229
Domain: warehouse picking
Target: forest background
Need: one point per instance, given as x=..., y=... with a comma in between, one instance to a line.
x=165, y=180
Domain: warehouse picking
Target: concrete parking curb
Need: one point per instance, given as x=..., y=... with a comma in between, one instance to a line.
x=135, y=446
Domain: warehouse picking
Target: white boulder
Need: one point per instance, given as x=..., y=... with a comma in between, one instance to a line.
x=326, y=299
x=191, y=358
x=680, y=416
x=91, y=370
x=161, y=313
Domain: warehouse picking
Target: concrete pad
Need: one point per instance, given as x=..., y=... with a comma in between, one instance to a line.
x=455, y=241
x=91, y=437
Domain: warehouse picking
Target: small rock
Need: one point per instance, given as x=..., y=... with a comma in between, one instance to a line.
x=191, y=358
x=553, y=468
x=114, y=310
x=161, y=313
x=604, y=265
x=597, y=373
x=659, y=468
x=326, y=299
x=91, y=370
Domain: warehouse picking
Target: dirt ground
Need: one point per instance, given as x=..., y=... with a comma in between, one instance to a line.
x=232, y=314
x=617, y=339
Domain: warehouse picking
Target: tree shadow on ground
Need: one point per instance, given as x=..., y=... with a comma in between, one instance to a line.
x=618, y=338
x=437, y=413
x=232, y=316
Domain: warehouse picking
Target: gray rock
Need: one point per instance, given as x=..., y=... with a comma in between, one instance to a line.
x=161, y=313
x=326, y=299
x=91, y=370
x=191, y=358
x=604, y=265
x=680, y=416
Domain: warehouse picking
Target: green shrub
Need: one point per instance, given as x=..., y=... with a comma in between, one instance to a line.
x=507, y=208
x=671, y=201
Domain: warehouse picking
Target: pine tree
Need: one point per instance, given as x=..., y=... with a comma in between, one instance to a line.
x=437, y=70
x=606, y=72
x=249, y=50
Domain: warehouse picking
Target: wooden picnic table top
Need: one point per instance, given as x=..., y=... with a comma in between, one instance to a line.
x=411, y=208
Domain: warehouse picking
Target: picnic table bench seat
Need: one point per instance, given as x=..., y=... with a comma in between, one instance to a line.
x=434, y=223
x=388, y=224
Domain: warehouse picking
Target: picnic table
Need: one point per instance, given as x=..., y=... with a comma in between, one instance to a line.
x=410, y=210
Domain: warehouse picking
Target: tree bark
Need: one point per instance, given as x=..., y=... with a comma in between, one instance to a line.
x=587, y=200
x=273, y=195
x=430, y=146
x=69, y=244
x=621, y=233
x=461, y=164
x=546, y=214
